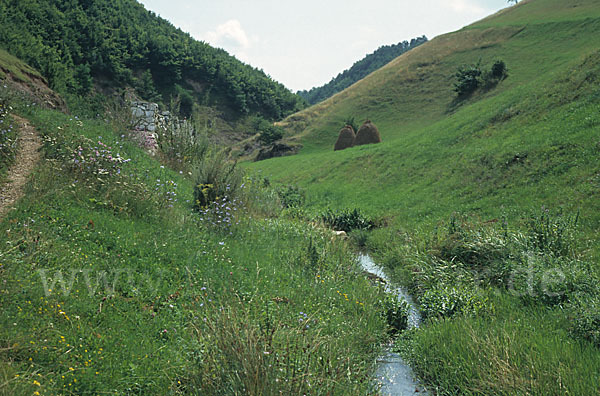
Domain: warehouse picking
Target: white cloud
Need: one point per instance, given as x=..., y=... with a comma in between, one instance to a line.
x=229, y=35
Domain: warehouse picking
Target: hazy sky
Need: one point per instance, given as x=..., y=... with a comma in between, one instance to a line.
x=305, y=43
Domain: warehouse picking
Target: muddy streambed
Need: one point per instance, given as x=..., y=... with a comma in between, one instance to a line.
x=393, y=374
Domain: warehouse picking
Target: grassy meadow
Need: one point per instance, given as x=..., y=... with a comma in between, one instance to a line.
x=113, y=284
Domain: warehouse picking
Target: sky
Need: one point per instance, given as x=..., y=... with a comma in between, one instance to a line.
x=305, y=43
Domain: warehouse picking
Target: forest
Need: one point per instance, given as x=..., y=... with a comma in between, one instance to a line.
x=359, y=70
x=80, y=44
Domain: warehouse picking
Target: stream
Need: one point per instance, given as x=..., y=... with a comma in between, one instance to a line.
x=393, y=374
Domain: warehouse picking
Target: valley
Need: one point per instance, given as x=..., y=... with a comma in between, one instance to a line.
x=194, y=268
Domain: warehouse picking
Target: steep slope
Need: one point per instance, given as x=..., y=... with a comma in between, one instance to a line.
x=530, y=140
x=113, y=44
x=359, y=70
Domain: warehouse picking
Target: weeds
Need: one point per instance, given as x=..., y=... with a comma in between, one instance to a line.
x=346, y=220
x=396, y=311
x=181, y=145
x=553, y=233
x=215, y=178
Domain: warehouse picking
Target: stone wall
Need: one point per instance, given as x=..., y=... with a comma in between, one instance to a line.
x=147, y=121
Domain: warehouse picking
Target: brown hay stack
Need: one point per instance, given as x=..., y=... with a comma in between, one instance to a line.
x=367, y=134
x=345, y=139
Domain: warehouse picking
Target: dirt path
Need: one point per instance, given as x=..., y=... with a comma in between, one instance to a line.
x=27, y=156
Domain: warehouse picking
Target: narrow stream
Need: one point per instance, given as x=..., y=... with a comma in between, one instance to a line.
x=394, y=375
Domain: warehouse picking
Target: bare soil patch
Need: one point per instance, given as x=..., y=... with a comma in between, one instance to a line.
x=27, y=157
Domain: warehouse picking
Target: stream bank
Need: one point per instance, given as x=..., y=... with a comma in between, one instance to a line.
x=393, y=374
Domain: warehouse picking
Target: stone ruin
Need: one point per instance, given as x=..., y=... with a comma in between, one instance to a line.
x=147, y=121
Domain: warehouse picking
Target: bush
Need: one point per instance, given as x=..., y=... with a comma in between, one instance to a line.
x=8, y=135
x=499, y=70
x=216, y=178
x=545, y=279
x=267, y=132
x=351, y=121
x=553, y=233
x=468, y=79
x=359, y=237
x=585, y=321
x=471, y=77
x=182, y=145
x=346, y=220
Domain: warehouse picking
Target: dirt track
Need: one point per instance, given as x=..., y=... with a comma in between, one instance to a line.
x=27, y=156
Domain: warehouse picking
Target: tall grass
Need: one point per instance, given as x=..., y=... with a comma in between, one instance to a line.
x=110, y=285
x=515, y=306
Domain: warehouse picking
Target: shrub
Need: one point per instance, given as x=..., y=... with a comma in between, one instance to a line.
x=290, y=196
x=346, y=220
x=497, y=73
x=585, y=323
x=267, y=132
x=499, y=70
x=216, y=178
x=471, y=77
x=359, y=237
x=182, y=145
x=468, y=79
x=549, y=280
x=8, y=135
x=351, y=121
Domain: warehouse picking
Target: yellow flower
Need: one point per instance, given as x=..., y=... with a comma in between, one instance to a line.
x=36, y=383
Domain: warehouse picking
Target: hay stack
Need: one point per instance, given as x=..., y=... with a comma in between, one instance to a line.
x=367, y=134
x=345, y=139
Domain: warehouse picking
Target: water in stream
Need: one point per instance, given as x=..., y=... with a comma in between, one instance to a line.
x=394, y=375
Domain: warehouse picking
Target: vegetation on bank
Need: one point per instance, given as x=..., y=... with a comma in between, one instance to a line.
x=516, y=305
x=113, y=283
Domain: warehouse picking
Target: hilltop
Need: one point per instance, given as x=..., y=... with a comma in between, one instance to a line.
x=360, y=70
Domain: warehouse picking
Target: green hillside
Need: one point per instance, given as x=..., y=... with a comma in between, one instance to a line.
x=111, y=45
x=360, y=70
x=489, y=202
x=440, y=154
x=112, y=281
